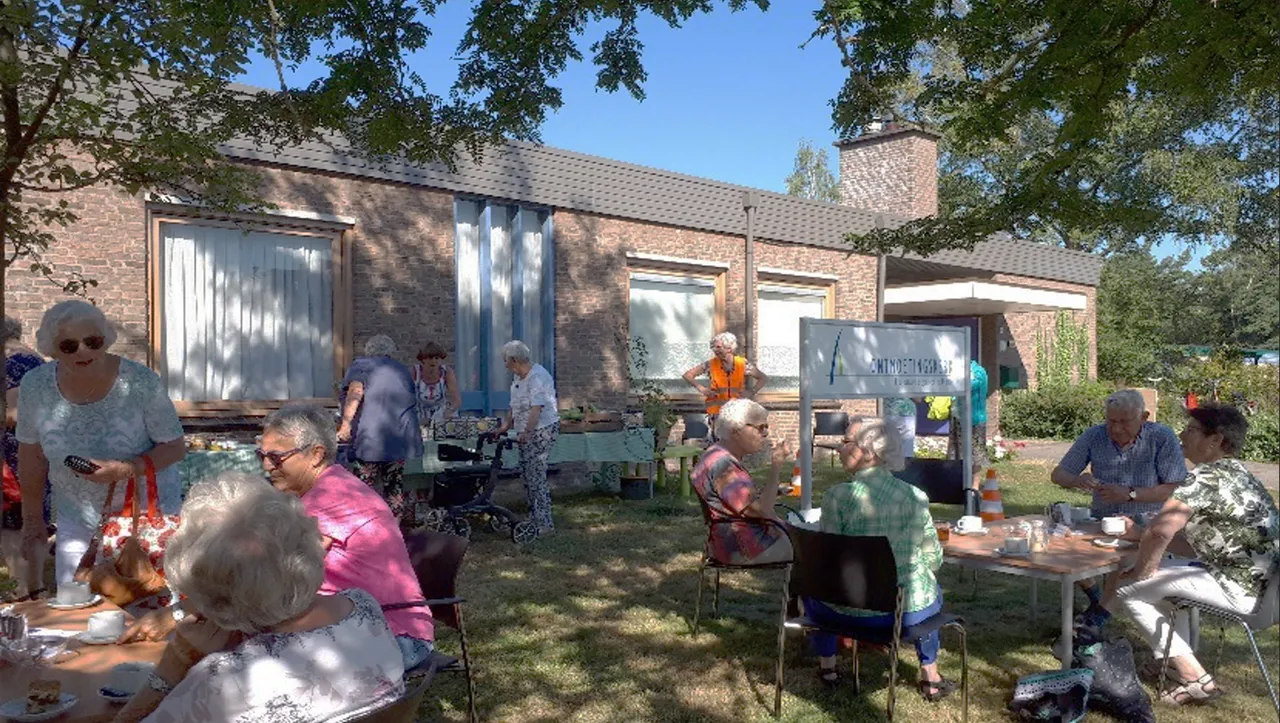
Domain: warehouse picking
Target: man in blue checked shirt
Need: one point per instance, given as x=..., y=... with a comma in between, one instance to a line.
x=1135, y=465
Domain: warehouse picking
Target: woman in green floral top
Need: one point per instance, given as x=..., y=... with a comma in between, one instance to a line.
x=1230, y=521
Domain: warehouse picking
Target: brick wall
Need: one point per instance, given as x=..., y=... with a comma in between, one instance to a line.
x=895, y=173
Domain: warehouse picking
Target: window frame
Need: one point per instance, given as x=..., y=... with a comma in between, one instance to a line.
x=808, y=283
x=341, y=254
x=663, y=266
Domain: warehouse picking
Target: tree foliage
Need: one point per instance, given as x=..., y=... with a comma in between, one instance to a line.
x=812, y=177
x=1093, y=125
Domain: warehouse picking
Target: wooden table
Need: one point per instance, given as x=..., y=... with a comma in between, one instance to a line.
x=84, y=673
x=1067, y=561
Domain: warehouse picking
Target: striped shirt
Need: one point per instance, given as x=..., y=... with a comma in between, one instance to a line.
x=1154, y=458
x=877, y=504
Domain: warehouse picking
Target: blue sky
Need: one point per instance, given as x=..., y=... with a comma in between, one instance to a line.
x=729, y=96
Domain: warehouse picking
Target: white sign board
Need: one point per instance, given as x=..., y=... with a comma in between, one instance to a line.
x=849, y=359
x=861, y=359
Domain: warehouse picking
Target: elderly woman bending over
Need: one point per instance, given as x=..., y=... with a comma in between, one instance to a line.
x=92, y=404
x=536, y=419
x=1232, y=525
x=729, y=493
x=263, y=645
x=380, y=420
x=876, y=504
x=363, y=545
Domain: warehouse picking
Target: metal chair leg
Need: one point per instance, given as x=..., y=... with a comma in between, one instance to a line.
x=466, y=661
x=782, y=640
x=1222, y=644
x=857, y=684
x=715, y=601
x=893, y=676
x=1164, y=663
x=964, y=676
x=1262, y=665
x=697, y=609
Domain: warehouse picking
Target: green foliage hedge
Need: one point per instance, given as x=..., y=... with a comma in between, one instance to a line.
x=1263, y=441
x=1053, y=412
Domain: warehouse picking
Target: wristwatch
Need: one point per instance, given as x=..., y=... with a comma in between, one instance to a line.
x=1133, y=493
x=178, y=613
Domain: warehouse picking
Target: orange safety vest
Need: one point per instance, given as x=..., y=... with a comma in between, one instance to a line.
x=726, y=386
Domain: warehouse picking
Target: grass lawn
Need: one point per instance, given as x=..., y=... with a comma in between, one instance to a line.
x=594, y=624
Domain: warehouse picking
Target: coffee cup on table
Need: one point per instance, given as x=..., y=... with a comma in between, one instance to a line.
x=1018, y=545
x=1060, y=512
x=969, y=523
x=109, y=623
x=73, y=593
x=1113, y=525
x=128, y=678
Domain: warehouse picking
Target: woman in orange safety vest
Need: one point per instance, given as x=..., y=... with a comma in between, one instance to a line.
x=728, y=374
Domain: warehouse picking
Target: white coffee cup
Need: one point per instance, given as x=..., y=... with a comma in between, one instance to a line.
x=109, y=623
x=128, y=678
x=969, y=523
x=73, y=593
x=1113, y=525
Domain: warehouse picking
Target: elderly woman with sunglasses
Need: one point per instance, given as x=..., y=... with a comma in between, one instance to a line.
x=363, y=544
x=729, y=493
x=92, y=404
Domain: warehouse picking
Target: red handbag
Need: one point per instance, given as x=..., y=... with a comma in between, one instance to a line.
x=125, y=560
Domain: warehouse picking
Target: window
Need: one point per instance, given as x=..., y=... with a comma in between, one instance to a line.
x=779, y=309
x=246, y=312
x=675, y=315
x=506, y=286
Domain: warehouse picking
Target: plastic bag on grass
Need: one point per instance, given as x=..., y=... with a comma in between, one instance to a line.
x=1057, y=696
x=1116, y=689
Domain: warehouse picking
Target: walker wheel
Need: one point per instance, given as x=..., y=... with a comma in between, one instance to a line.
x=497, y=524
x=457, y=526
x=523, y=532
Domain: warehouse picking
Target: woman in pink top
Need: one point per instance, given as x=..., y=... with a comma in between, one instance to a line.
x=363, y=545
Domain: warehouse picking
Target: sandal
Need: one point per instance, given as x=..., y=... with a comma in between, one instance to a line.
x=935, y=690
x=830, y=677
x=1195, y=692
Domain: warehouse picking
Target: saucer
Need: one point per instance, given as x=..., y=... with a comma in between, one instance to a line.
x=16, y=709
x=981, y=531
x=55, y=605
x=114, y=696
x=1005, y=553
x=1112, y=543
x=88, y=639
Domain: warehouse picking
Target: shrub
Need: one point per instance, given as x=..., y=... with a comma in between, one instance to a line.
x=1263, y=441
x=1053, y=412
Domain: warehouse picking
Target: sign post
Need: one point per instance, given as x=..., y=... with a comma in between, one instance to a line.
x=862, y=359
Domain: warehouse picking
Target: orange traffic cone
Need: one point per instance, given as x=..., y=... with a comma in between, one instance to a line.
x=795, y=480
x=991, y=507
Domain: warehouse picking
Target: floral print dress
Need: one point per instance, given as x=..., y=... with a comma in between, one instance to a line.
x=319, y=675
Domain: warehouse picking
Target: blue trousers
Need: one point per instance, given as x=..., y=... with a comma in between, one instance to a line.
x=824, y=644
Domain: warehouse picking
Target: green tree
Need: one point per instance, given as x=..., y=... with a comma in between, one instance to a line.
x=1144, y=308
x=812, y=177
x=1095, y=125
x=138, y=94
x=1240, y=294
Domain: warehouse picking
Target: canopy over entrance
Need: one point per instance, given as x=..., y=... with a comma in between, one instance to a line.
x=975, y=298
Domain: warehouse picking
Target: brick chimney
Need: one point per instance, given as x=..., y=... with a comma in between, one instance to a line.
x=892, y=168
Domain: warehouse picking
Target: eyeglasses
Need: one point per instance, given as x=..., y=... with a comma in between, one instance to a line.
x=761, y=428
x=276, y=458
x=71, y=346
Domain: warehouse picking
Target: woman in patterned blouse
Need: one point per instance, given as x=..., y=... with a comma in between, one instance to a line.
x=263, y=645
x=1232, y=525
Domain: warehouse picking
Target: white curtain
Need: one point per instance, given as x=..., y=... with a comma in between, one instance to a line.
x=778, y=313
x=531, y=255
x=246, y=316
x=500, y=271
x=675, y=318
x=467, y=251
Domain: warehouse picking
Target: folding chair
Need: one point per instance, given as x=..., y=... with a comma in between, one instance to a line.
x=436, y=558
x=828, y=424
x=708, y=561
x=695, y=427
x=1265, y=614
x=402, y=710
x=860, y=572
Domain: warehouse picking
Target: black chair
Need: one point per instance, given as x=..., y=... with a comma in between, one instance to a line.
x=860, y=572
x=719, y=566
x=943, y=480
x=401, y=710
x=1265, y=614
x=695, y=427
x=436, y=558
x=828, y=424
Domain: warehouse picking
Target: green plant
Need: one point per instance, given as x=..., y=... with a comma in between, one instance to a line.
x=1262, y=443
x=1063, y=358
x=655, y=407
x=1055, y=412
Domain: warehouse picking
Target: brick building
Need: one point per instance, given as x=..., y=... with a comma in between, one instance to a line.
x=571, y=253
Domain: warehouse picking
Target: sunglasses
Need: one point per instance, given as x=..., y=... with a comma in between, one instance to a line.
x=761, y=428
x=71, y=346
x=276, y=458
